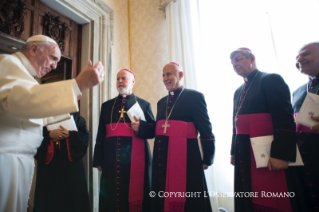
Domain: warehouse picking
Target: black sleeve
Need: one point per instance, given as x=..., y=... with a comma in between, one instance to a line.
x=233, y=142
x=203, y=125
x=79, y=140
x=147, y=128
x=41, y=154
x=278, y=99
x=98, y=149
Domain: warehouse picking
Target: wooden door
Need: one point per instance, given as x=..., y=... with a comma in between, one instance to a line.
x=20, y=19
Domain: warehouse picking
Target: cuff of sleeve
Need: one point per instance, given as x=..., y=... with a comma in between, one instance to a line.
x=76, y=89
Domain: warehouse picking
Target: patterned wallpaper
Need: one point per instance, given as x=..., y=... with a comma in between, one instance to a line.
x=149, y=49
x=149, y=46
x=120, y=48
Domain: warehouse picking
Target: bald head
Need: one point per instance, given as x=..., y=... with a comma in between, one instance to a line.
x=125, y=82
x=307, y=60
x=172, y=76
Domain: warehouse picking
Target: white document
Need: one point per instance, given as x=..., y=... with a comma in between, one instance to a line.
x=261, y=149
x=309, y=107
x=136, y=111
x=69, y=124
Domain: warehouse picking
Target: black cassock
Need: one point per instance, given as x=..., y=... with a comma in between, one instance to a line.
x=61, y=183
x=265, y=100
x=189, y=108
x=114, y=153
x=308, y=142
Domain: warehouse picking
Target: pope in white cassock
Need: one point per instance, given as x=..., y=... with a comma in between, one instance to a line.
x=24, y=104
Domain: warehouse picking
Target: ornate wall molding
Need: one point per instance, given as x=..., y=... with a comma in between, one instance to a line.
x=56, y=29
x=12, y=14
x=97, y=38
x=164, y=3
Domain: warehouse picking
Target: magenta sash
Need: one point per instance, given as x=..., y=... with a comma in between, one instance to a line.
x=136, y=188
x=263, y=180
x=178, y=133
x=302, y=128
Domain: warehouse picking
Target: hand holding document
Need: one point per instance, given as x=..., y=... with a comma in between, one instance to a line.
x=136, y=111
x=310, y=107
x=69, y=124
x=261, y=149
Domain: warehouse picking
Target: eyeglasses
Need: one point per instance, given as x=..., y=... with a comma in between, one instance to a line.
x=237, y=60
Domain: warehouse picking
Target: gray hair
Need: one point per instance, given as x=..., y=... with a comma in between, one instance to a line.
x=40, y=44
x=248, y=54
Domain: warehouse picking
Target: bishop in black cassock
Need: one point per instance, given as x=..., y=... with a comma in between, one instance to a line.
x=308, y=139
x=61, y=184
x=177, y=163
x=262, y=107
x=122, y=152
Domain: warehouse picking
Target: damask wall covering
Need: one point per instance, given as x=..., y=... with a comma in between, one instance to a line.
x=149, y=47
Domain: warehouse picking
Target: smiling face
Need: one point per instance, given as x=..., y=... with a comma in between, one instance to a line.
x=125, y=82
x=45, y=57
x=307, y=60
x=242, y=65
x=172, y=77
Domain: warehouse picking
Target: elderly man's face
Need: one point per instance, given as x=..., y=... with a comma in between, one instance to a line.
x=307, y=61
x=47, y=59
x=125, y=82
x=242, y=65
x=171, y=77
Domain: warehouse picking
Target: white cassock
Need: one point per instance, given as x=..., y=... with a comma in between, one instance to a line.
x=23, y=105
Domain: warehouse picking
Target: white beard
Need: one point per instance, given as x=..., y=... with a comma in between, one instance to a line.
x=123, y=91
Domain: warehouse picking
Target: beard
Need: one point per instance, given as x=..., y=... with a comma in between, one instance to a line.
x=126, y=90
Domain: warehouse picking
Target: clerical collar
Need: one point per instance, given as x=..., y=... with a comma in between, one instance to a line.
x=127, y=96
x=315, y=77
x=176, y=92
x=250, y=76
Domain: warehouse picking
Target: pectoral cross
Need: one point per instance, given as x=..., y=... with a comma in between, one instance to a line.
x=122, y=111
x=236, y=119
x=165, y=126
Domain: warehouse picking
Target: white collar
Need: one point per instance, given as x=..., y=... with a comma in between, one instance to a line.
x=26, y=63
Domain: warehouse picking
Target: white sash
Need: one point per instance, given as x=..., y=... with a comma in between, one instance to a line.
x=18, y=142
